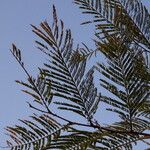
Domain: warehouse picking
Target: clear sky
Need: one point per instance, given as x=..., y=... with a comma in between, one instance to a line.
x=16, y=17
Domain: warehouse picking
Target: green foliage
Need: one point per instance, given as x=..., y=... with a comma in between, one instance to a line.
x=122, y=37
x=119, y=17
x=38, y=133
x=66, y=76
x=123, y=71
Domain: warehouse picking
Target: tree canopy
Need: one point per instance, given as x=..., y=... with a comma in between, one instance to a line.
x=66, y=83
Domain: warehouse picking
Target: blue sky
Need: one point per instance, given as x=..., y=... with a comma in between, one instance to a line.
x=16, y=17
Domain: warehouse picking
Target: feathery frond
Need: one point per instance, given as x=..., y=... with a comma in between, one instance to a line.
x=38, y=133
x=130, y=89
x=115, y=17
x=39, y=90
x=82, y=140
x=66, y=76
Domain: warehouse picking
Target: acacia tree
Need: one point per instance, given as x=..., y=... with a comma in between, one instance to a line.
x=122, y=36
